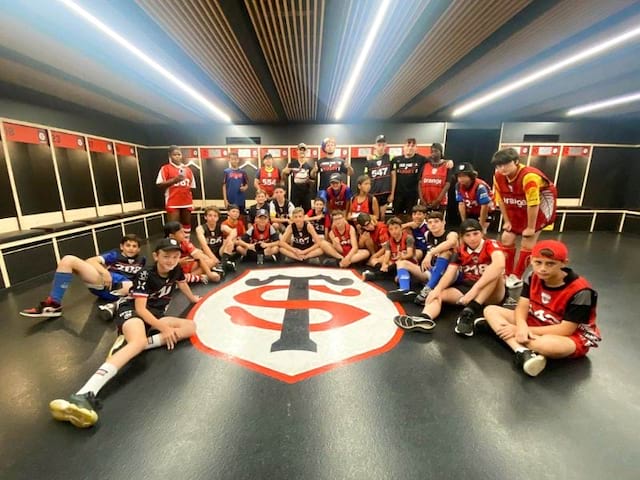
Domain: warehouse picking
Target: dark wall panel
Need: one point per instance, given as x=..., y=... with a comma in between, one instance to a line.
x=109, y=238
x=24, y=263
x=80, y=245
x=136, y=227
x=35, y=178
x=129, y=179
x=631, y=224
x=571, y=176
x=106, y=176
x=607, y=221
x=75, y=177
x=7, y=205
x=608, y=177
x=154, y=225
x=213, y=171
x=546, y=164
x=150, y=162
x=574, y=132
x=578, y=221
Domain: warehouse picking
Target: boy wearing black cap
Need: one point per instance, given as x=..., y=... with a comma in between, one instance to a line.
x=303, y=175
x=137, y=319
x=383, y=177
x=435, y=181
x=474, y=277
x=260, y=240
x=330, y=165
x=474, y=196
x=338, y=194
x=556, y=313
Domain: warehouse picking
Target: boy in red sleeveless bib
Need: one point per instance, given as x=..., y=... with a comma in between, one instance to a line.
x=556, y=313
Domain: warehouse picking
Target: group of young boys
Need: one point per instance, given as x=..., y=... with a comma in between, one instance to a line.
x=553, y=318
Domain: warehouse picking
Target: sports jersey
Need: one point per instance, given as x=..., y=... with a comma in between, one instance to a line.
x=344, y=238
x=475, y=196
x=575, y=301
x=253, y=210
x=400, y=246
x=301, y=183
x=255, y=235
x=328, y=166
x=366, y=206
x=301, y=238
x=238, y=226
x=233, y=179
x=433, y=241
x=407, y=170
x=380, y=235
x=379, y=169
x=432, y=180
x=419, y=234
x=530, y=187
x=473, y=263
x=322, y=224
x=178, y=195
x=155, y=288
x=337, y=199
x=115, y=261
x=213, y=237
x=280, y=211
x=268, y=179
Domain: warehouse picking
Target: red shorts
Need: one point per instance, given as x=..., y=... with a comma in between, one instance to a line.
x=169, y=209
x=345, y=250
x=189, y=266
x=580, y=341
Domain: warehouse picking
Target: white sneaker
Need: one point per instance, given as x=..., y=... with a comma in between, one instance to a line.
x=513, y=282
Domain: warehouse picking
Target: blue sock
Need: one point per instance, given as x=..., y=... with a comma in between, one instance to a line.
x=61, y=281
x=404, y=279
x=437, y=271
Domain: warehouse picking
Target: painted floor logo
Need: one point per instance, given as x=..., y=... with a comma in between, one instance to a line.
x=293, y=323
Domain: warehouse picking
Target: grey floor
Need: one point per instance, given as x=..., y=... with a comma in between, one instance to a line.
x=435, y=406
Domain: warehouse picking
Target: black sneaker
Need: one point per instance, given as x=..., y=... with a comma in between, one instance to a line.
x=106, y=311
x=465, y=322
x=368, y=276
x=274, y=258
x=532, y=363
x=46, y=309
x=422, y=296
x=229, y=266
x=480, y=323
x=117, y=345
x=401, y=295
x=414, y=323
x=79, y=410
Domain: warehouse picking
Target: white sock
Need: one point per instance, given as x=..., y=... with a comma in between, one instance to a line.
x=154, y=341
x=521, y=349
x=99, y=379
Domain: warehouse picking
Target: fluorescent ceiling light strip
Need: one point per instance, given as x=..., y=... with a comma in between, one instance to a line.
x=553, y=68
x=612, y=102
x=145, y=58
x=364, y=53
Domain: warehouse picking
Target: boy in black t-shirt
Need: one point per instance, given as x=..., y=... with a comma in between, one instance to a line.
x=137, y=318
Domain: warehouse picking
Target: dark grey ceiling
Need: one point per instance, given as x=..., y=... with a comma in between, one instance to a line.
x=283, y=61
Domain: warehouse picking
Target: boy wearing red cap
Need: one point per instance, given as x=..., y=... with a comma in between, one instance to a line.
x=555, y=316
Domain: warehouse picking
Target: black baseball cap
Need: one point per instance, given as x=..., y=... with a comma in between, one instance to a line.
x=167, y=245
x=381, y=139
x=302, y=146
x=470, y=225
x=335, y=177
x=465, y=167
x=262, y=213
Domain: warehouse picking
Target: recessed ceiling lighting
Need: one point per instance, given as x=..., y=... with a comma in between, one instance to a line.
x=546, y=71
x=362, y=57
x=119, y=39
x=611, y=102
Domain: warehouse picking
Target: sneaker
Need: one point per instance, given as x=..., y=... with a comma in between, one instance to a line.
x=274, y=258
x=532, y=363
x=46, y=309
x=400, y=295
x=331, y=262
x=229, y=266
x=510, y=302
x=465, y=323
x=513, y=282
x=414, y=323
x=422, y=296
x=313, y=261
x=106, y=311
x=368, y=275
x=117, y=345
x=260, y=260
x=479, y=322
x=219, y=270
x=79, y=410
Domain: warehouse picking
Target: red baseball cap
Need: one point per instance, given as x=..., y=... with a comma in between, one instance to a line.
x=551, y=249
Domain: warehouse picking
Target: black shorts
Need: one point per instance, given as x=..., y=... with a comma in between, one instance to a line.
x=126, y=312
x=381, y=197
x=404, y=203
x=490, y=216
x=465, y=285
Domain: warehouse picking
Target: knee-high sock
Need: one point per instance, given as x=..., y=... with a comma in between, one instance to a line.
x=510, y=258
x=437, y=271
x=61, y=281
x=404, y=278
x=187, y=230
x=523, y=262
x=99, y=379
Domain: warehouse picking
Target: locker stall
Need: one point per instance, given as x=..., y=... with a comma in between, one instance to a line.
x=129, y=174
x=105, y=172
x=249, y=162
x=571, y=174
x=191, y=157
x=8, y=213
x=545, y=158
x=215, y=160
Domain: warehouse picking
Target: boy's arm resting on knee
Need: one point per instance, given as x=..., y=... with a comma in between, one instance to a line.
x=143, y=312
x=492, y=272
x=186, y=291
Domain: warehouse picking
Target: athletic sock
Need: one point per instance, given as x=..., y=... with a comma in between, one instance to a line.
x=475, y=306
x=99, y=379
x=437, y=271
x=510, y=258
x=192, y=278
x=523, y=262
x=404, y=279
x=187, y=230
x=154, y=341
x=61, y=281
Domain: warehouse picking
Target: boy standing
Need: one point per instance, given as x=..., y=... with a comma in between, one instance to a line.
x=434, y=180
x=268, y=176
x=474, y=196
x=383, y=177
x=178, y=182
x=556, y=313
x=137, y=320
x=235, y=182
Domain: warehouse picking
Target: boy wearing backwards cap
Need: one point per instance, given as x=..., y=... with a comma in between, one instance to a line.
x=556, y=313
x=474, y=196
x=138, y=317
x=338, y=194
x=303, y=175
x=330, y=165
x=527, y=200
x=473, y=278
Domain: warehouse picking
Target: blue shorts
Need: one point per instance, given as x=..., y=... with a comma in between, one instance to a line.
x=106, y=294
